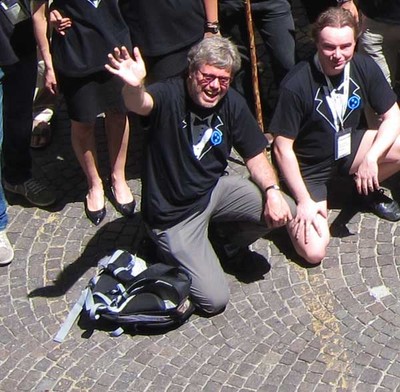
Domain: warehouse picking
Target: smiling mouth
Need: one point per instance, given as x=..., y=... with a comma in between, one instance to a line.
x=211, y=94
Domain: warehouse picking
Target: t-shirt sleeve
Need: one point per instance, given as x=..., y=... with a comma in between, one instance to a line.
x=248, y=139
x=381, y=96
x=288, y=115
x=160, y=92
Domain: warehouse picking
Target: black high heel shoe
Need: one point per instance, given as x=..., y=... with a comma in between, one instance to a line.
x=95, y=217
x=127, y=209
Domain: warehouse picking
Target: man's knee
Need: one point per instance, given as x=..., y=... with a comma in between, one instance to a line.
x=314, y=255
x=211, y=301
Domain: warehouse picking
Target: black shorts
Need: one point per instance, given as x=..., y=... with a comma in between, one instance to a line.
x=316, y=177
x=88, y=96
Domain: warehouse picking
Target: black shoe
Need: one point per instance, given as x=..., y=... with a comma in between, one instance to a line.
x=34, y=191
x=95, y=217
x=382, y=206
x=127, y=209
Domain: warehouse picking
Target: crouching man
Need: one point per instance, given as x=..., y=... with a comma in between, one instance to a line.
x=193, y=122
x=317, y=134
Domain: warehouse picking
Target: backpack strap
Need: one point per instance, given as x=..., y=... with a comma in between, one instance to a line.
x=123, y=265
x=72, y=316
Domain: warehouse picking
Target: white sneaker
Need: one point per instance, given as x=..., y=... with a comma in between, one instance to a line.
x=6, y=250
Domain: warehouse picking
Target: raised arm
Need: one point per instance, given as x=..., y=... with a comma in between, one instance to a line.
x=133, y=72
x=276, y=211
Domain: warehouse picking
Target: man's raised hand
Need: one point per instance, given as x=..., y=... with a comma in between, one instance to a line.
x=131, y=70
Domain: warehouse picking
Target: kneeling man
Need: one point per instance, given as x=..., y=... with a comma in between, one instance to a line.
x=193, y=121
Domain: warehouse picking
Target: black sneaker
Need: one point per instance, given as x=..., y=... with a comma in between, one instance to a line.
x=382, y=206
x=34, y=191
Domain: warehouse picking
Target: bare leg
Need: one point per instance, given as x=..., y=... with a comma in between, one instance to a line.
x=84, y=145
x=117, y=129
x=315, y=249
x=389, y=164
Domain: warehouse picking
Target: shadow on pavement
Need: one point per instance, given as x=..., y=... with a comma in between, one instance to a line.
x=123, y=233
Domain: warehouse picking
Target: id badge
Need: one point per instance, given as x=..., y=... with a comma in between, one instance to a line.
x=14, y=11
x=342, y=143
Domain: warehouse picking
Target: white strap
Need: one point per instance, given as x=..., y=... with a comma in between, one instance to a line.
x=71, y=318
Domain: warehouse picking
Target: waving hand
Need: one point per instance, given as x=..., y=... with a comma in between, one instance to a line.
x=131, y=70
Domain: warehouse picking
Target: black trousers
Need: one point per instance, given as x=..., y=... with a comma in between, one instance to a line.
x=315, y=7
x=18, y=89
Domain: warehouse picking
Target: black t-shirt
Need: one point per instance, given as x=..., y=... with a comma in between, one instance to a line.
x=302, y=113
x=16, y=41
x=387, y=11
x=159, y=27
x=187, y=150
x=7, y=54
x=94, y=33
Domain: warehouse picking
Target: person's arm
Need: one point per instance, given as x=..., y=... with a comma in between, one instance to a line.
x=351, y=6
x=276, y=211
x=211, y=11
x=40, y=26
x=133, y=72
x=307, y=209
x=366, y=175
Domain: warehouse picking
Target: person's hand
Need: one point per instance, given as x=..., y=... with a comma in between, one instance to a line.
x=131, y=70
x=58, y=23
x=210, y=35
x=50, y=81
x=306, y=218
x=277, y=211
x=352, y=8
x=366, y=176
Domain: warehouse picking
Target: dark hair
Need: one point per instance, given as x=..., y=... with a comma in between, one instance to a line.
x=217, y=51
x=334, y=17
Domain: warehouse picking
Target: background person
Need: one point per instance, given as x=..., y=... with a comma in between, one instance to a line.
x=89, y=90
x=166, y=30
x=18, y=88
x=7, y=57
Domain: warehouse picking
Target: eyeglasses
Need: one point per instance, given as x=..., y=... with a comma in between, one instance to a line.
x=208, y=78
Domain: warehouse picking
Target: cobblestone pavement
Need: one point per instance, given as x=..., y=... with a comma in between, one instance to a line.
x=334, y=327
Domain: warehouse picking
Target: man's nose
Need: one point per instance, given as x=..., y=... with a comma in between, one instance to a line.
x=215, y=83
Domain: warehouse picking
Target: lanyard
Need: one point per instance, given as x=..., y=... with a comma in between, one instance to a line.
x=337, y=102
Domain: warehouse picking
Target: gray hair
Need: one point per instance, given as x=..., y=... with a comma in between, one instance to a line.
x=217, y=51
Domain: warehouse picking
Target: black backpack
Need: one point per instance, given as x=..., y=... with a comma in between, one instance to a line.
x=129, y=295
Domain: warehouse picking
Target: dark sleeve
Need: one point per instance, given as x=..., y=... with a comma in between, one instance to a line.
x=247, y=137
x=288, y=115
x=380, y=94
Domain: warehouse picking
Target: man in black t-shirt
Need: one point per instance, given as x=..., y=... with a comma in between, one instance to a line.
x=193, y=123
x=315, y=127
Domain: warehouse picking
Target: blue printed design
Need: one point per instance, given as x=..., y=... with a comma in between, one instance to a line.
x=353, y=102
x=216, y=137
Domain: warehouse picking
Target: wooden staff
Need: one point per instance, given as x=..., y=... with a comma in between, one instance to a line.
x=254, y=68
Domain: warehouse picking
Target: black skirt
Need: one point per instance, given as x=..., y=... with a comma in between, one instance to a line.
x=89, y=96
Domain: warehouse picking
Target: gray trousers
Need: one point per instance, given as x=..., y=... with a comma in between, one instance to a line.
x=235, y=200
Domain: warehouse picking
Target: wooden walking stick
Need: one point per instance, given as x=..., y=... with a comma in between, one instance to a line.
x=254, y=68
